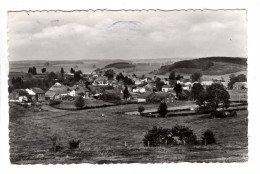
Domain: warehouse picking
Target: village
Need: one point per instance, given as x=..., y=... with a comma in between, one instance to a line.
x=34, y=88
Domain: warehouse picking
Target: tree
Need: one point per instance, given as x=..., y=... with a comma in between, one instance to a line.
x=30, y=70
x=214, y=96
x=178, y=77
x=126, y=92
x=208, y=137
x=172, y=77
x=195, y=77
x=62, y=70
x=34, y=71
x=178, y=89
x=72, y=71
x=196, y=89
x=159, y=84
x=43, y=70
x=162, y=110
x=119, y=77
x=77, y=76
x=79, y=102
x=109, y=74
x=234, y=79
x=140, y=109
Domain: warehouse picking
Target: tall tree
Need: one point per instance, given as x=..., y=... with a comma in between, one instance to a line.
x=196, y=90
x=34, y=72
x=43, y=70
x=62, y=70
x=72, y=71
x=30, y=70
x=109, y=74
x=126, y=92
x=178, y=77
x=195, y=77
x=159, y=84
x=214, y=96
x=119, y=77
x=178, y=89
x=172, y=77
x=162, y=110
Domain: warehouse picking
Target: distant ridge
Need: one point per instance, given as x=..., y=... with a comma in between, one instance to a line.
x=120, y=65
x=207, y=66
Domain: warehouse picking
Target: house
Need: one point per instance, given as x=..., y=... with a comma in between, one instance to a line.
x=72, y=91
x=167, y=88
x=144, y=97
x=57, y=92
x=206, y=83
x=36, y=94
x=85, y=92
x=100, y=81
x=166, y=81
x=150, y=86
x=163, y=97
x=139, y=89
x=39, y=94
x=19, y=95
x=137, y=81
x=240, y=85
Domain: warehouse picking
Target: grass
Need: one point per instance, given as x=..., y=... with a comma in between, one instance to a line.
x=103, y=138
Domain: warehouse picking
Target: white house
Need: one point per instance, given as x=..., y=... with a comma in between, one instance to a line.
x=166, y=88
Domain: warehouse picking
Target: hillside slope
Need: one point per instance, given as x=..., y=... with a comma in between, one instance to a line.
x=207, y=66
x=119, y=65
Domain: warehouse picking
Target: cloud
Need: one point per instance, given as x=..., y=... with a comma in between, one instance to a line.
x=126, y=35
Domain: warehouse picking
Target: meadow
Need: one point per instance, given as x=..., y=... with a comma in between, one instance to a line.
x=117, y=138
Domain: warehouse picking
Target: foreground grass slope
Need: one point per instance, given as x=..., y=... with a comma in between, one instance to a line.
x=103, y=138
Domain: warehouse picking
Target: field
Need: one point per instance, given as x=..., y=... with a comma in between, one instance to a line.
x=117, y=138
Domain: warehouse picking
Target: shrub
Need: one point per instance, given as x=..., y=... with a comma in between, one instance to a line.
x=176, y=136
x=74, y=144
x=55, y=139
x=79, y=102
x=208, y=137
x=233, y=113
x=140, y=109
x=162, y=110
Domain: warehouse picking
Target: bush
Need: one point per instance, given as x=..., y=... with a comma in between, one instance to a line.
x=140, y=109
x=162, y=110
x=74, y=144
x=55, y=143
x=176, y=136
x=208, y=137
x=79, y=102
x=233, y=113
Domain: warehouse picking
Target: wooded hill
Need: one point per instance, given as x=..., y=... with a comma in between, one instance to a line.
x=207, y=66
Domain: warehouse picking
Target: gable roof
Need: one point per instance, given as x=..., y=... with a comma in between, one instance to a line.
x=146, y=95
x=21, y=92
x=38, y=90
x=82, y=89
x=166, y=86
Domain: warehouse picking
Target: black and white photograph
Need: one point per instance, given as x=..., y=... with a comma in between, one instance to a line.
x=128, y=86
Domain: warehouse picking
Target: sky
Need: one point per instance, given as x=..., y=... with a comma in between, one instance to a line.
x=126, y=35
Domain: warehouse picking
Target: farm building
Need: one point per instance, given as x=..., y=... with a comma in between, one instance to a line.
x=163, y=97
x=57, y=91
x=167, y=88
x=36, y=94
x=81, y=90
x=240, y=85
x=145, y=97
x=18, y=95
x=100, y=81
